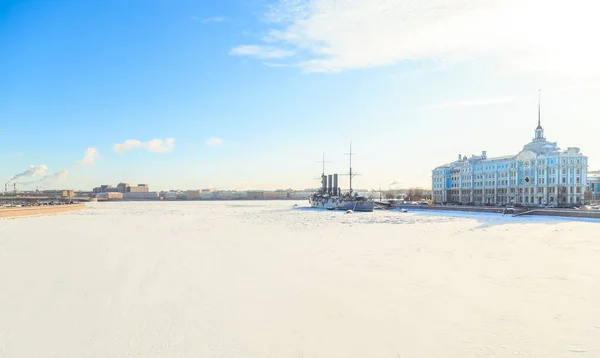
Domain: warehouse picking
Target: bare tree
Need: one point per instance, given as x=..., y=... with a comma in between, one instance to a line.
x=588, y=196
x=417, y=194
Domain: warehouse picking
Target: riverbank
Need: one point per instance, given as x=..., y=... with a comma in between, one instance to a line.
x=572, y=213
x=39, y=210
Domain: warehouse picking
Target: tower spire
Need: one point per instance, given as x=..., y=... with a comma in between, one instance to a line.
x=539, y=131
x=539, y=109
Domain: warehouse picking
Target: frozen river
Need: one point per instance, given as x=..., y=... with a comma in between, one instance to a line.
x=263, y=279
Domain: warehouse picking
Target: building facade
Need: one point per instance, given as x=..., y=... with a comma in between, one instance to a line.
x=540, y=174
x=126, y=188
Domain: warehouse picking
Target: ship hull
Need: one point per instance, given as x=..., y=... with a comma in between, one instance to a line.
x=340, y=204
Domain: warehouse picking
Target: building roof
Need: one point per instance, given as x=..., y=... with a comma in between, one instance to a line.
x=500, y=158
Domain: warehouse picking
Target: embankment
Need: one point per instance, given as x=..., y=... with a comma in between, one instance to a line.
x=572, y=213
x=39, y=210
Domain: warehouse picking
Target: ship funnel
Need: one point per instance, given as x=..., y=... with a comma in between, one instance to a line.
x=324, y=183
x=329, y=183
x=335, y=184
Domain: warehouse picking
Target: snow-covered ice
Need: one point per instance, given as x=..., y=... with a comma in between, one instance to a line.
x=266, y=279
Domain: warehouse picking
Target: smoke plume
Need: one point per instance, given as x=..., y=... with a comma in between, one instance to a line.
x=31, y=172
x=47, y=179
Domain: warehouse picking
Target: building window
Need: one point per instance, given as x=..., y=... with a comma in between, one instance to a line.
x=564, y=180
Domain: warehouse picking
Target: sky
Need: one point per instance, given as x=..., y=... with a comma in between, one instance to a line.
x=240, y=94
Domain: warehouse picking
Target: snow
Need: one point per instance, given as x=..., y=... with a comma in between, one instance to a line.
x=266, y=279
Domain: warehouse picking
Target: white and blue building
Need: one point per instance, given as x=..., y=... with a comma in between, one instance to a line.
x=540, y=174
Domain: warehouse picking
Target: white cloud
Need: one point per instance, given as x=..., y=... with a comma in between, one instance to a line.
x=472, y=103
x=529, y=35
x=127, y=146
x=89, y=158
x=160, y=146
x=214, y=141
x=262, y=52
x=154, y=145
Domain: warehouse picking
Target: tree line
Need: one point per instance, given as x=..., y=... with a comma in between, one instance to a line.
x=409, y=194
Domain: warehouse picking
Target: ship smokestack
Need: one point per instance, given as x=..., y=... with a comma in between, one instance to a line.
x=335, y=184
x=324, y=183
x=329, y=183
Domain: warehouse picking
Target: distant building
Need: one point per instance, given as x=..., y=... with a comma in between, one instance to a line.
x=140, y=188
x=105, y=189
x=152, y=195
x=193, y=194
x=299, y=195
x=541, y=173
x=239, y=195
x=229, y=195
x=84, y=194
x=255, y=194
x=126, y=188
x=63, y=194
x=109, y=196
x=275, y=195
x=206, y=194
x=172, y=195
x=122, y=187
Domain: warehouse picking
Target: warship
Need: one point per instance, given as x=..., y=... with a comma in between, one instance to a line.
x=331, y=197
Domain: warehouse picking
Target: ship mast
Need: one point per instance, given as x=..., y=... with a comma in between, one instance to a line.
x=323, y=162
x=350, y=173
x=323, y=177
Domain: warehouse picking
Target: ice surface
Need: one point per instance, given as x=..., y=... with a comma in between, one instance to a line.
x=264, y=279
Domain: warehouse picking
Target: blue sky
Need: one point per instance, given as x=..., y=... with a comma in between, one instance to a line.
x=248, y=94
